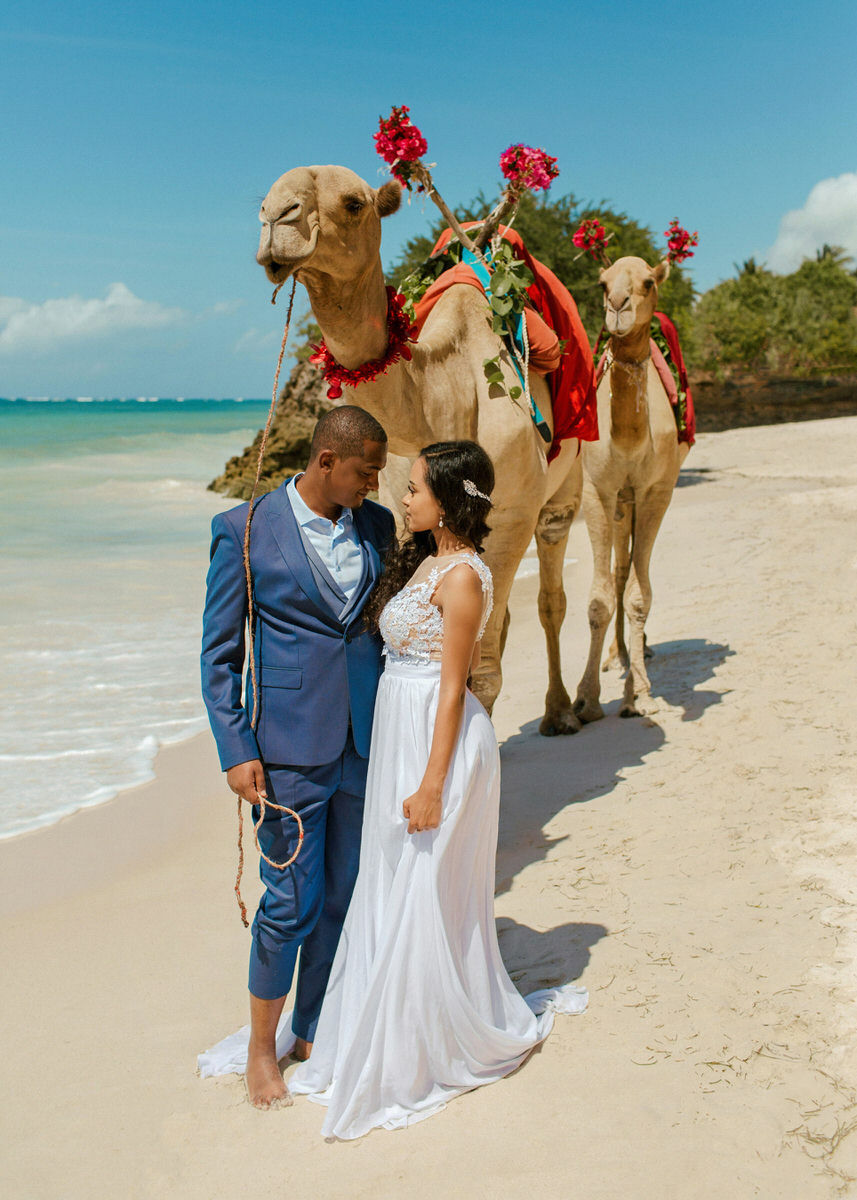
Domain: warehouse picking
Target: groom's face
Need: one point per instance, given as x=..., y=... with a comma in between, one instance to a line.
x=351, y=479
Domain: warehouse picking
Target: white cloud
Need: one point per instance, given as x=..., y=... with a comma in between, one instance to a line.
x=25, y=326
x=258, y=343
x=829, y=215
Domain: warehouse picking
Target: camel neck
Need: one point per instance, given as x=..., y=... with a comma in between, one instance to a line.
x=629, y=383
x=352, y=314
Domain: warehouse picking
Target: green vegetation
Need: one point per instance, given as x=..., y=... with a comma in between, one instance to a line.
x=800, y=324
x=803, y=324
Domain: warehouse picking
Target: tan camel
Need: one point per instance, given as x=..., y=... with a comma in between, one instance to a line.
x=322, y=224
x=629, y=476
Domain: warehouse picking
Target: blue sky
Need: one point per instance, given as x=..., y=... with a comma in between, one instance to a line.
x=139, y=139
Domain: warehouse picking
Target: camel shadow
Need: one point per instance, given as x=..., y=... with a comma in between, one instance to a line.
x=541, y=776
x=689, y=476
x=677, y=667
x=546, y=958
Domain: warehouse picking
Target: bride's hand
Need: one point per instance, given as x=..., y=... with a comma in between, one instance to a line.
x=423, y=810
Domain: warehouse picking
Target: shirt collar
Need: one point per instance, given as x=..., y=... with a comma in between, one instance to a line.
x=304, y=514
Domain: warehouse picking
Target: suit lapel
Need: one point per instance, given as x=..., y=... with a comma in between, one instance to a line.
x=284, y=528
x=371, y=563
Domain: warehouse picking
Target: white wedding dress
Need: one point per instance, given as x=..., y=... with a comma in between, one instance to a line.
x=419, y=1007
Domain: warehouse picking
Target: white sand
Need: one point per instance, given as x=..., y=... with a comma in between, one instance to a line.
x=695, y=870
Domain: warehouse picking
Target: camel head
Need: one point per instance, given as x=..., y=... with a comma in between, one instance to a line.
x=630, y=288
x=324, y=218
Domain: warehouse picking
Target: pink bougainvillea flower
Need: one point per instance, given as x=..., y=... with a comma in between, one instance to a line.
x=527, y=167
x=399, y=143
x=680, y=243
x=591, y=236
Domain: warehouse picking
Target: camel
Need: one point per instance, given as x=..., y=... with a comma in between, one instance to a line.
x=629, y=476
x=322, y=224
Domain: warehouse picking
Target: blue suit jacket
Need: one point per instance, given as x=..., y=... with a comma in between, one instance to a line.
x=315, y=670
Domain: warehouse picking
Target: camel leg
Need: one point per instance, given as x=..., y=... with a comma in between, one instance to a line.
x=551, y=541
x=504, y=631
x=598, y=510
x=623, y=535
x=638, y=700
x=488, y=676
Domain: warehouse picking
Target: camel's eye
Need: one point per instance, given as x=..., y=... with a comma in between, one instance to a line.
x=648, y=284
x=353, y=205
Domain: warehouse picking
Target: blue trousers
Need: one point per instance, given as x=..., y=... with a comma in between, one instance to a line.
x=304, y=906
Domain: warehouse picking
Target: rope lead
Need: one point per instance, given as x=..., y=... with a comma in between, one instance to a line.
x=263, y=804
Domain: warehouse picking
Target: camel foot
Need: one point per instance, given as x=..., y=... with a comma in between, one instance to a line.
x=640, y=706
x=587, y=711
x=616, y=662
x=558, y=724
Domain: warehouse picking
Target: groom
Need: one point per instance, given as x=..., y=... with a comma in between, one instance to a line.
x=316, y=549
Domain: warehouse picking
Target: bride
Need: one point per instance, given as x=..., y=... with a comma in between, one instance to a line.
x=419, y=1007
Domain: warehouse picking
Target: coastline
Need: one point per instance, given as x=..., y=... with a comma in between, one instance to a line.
x=692, y=869
x=138, y=824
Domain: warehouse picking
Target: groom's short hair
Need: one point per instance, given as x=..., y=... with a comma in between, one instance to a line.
x=344, y=430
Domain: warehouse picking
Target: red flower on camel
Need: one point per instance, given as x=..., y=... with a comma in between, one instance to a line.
x=591, y=236
x=527, y=167
x=400, y=332
x=680, y=243
x=399, y=143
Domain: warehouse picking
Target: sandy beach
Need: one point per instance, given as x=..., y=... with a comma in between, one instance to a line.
x=694, y=870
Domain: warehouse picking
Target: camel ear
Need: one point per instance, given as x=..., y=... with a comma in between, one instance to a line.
x=662, y=271
x=388, y=198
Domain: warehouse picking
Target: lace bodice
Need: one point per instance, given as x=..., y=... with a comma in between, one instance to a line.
x=412, y=627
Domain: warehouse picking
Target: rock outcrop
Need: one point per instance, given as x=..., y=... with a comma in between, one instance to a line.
x=719, y=405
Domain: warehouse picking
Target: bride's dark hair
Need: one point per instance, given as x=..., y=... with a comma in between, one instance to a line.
x=447, y=464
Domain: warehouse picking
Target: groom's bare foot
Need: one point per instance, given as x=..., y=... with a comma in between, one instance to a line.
x=302, y=1050
x=265, y=1086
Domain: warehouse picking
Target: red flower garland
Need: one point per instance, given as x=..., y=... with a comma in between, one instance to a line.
x=591, y=236
x=400, y=331
x=680, y=243
x=526, y=167
x=399, y=143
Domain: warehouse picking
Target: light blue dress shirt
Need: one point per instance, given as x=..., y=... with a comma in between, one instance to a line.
x=335, y=542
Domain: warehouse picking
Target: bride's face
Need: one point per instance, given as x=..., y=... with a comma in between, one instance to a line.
x=422, y=511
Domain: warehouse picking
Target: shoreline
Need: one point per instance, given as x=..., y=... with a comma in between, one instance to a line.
x=137, y=823
x=692, y=869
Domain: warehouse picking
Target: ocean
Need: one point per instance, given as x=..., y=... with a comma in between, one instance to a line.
x=105, y=518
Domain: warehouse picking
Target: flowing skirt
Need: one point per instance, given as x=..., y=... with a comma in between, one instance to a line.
x=419, y=1007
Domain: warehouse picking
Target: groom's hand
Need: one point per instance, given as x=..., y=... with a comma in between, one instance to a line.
x=247, y=780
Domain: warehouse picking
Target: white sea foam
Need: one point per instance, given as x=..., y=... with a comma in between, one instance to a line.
x=101, y=589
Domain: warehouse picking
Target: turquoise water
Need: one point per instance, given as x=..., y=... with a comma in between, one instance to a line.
x=105, y=518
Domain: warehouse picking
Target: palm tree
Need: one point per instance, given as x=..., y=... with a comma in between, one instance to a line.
x=837, y=255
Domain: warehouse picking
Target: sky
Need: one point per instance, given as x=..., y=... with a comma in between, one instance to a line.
x=139, y=139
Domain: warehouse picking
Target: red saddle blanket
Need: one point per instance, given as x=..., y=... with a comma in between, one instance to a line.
x=559, y=347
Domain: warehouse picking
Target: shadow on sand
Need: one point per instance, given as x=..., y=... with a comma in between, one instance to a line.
x=688, y=476
x=542, y=776
x=549, y=958
x=677, y=667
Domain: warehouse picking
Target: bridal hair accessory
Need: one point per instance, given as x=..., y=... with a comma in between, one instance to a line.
x=472, y=490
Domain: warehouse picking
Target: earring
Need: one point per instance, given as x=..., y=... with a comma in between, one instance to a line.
x=440, y=523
